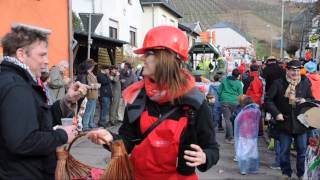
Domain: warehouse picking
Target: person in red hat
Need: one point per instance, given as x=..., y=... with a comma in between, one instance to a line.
x=184, y=138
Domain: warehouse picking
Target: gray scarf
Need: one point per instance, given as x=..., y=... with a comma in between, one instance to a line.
x=15, y=61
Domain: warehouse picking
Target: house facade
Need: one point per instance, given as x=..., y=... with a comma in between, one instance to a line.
x=41, y=14
x=129, y=20
x=192, y=31
x=157, y=13
x=122, y=20
x=233, y=43
x=228, y=36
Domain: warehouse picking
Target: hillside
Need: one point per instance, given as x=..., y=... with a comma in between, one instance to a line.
x=251, y=16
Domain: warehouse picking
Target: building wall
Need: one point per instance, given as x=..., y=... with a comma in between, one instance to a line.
x=121, y=11
x=227, y=37
x=191, y=39
x=161, y=17
x=168, y=20
x=52, y=15
x=198, y=28
x=127, y=16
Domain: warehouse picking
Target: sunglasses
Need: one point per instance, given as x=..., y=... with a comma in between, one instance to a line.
x=148, y=53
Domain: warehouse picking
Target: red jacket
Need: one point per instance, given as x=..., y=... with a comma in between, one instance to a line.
x=315, y=85
x=255, y=90
x=242, y=68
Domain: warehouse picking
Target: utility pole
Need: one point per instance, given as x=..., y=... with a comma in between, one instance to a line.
x=282, y=17
x=70, y=33
x=271, y=35
x=89, y=36
x=271, y=40
x=302, y=37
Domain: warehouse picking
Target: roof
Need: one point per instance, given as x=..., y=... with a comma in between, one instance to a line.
x=192, y=25
x=231, y=26
x=199, y=48
x=167, y=4
x=98, y=40
x=187, y=29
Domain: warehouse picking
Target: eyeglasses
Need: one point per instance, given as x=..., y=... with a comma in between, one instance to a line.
x=148, y=53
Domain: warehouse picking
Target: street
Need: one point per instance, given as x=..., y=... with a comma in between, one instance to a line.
x=226, y=168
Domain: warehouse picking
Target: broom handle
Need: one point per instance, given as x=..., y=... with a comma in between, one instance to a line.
x=75, y=139
x=81, y=134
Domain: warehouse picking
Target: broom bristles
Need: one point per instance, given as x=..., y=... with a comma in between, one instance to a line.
x=68, y=167
x=77, y=169
x=61, y=169
x=120, y=166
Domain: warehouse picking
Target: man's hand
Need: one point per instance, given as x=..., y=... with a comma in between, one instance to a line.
x=300, y=100
x=71, y=131
x=280, y=117
x=75, y=92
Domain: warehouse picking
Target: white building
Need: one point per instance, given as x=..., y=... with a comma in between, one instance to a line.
x=228, y=36
x=122, y=19
x=192, y=31
x=129, y=20
x=159, y=12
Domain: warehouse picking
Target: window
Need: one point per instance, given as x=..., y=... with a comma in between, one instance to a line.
x=113, y=29
x=172, y=22
x=113, y=32
x=133, y=36
x=164, y=20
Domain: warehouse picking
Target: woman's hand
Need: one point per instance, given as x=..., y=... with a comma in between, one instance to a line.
x=195, y=157
x=100, y=136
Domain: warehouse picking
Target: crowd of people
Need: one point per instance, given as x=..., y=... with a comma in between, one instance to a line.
x=171, y=114
x=272, y=92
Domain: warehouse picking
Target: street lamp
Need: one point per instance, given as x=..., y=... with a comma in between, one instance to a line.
x=269, y=26
x=282, y=17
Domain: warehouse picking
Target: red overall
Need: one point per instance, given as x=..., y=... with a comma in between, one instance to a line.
x=156, y=156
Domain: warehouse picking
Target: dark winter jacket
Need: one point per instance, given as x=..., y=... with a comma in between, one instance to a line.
x=129, y=78
x=28, y=141
x=276, y=103
x=270, y=73
x=130, y=129
x=105, y=89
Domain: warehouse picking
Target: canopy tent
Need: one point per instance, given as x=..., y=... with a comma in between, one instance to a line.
x=202, y=48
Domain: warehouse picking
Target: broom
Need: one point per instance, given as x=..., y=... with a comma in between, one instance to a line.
x=120, y=166
x=68, y=167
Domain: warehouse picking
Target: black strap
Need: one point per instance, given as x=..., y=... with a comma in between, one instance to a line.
x=155, y=124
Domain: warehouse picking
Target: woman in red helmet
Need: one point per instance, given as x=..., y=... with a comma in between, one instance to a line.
x=167, y=125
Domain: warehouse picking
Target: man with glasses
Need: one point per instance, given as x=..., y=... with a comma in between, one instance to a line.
x=281, y=101
x=28, y=139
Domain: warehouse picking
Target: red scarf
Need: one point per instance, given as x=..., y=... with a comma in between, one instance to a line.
x=153, y=92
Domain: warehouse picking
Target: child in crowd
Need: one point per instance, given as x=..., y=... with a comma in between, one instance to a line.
x=211, y=102
x=246, y=135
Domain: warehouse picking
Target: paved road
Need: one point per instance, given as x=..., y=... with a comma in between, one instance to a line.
x=226, y=168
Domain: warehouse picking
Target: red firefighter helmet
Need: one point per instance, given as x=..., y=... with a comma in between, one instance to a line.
x=168, y=37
